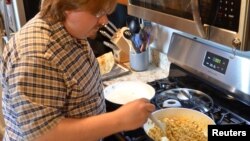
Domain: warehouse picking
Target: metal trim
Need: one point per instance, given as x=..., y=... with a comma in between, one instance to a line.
x=190, y=57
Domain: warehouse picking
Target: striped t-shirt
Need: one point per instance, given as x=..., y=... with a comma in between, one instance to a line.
x=46, y=76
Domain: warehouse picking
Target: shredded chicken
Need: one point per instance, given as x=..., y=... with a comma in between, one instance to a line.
x=179, y=130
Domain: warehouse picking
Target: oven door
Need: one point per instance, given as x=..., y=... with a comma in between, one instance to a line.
x=222, y=21
x=182, y=15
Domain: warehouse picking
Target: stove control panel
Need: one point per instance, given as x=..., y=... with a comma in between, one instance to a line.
x=216, y=62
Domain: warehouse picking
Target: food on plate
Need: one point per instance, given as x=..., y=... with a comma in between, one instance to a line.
x=106, y=62
x=179, y=130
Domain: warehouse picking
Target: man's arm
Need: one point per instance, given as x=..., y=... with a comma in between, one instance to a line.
x=128, y=117
x=39, y=102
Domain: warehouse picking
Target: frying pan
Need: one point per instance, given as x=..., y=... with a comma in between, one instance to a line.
x=183, y=113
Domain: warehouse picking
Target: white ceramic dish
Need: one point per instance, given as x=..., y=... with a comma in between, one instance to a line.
x=181, y=113
x=126, y=91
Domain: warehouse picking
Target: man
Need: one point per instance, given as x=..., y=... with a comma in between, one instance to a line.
x=51, y=81
x=119, y=18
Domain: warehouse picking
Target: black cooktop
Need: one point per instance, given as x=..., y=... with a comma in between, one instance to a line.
x=222, y=99
x=225, y=109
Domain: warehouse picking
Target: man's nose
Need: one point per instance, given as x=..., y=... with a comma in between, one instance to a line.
x=103, y=20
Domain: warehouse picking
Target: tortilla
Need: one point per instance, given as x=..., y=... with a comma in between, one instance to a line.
x=106, y=62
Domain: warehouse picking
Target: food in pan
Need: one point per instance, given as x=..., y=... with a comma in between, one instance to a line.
x=179, y=130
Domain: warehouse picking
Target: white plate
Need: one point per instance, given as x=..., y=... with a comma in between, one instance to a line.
x=126, y=91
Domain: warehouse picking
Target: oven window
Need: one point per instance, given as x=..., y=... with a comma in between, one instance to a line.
x=220, y=13
x=31, y=8
x=180, y=8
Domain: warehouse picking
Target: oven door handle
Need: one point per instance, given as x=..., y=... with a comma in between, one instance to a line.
x=197, y=18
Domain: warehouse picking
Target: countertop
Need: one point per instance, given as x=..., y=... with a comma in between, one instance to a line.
x=151, y=74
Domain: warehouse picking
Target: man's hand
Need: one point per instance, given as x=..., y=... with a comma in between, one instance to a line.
x=134, y=114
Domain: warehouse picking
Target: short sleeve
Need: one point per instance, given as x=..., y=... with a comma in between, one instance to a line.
x=36, y=97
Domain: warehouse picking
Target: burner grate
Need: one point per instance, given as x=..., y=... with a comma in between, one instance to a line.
x=217, y=113
x=222, y=116
x=219, y=110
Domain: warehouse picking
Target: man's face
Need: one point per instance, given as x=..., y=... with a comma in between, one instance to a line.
x=83, y=24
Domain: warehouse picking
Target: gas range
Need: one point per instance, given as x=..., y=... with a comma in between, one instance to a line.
x=206, y=77
x=222, y=108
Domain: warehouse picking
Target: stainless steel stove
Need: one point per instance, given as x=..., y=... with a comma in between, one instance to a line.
x=208, y=99
x=206, y=77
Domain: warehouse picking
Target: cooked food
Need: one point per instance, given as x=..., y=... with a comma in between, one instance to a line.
x=179, y=130
x=155, y=133
x=106, y=62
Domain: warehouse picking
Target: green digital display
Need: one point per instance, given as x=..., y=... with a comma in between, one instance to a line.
x=217, y=60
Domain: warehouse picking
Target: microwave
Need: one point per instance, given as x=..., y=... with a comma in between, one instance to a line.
x=17, y=12
x=221, y=21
